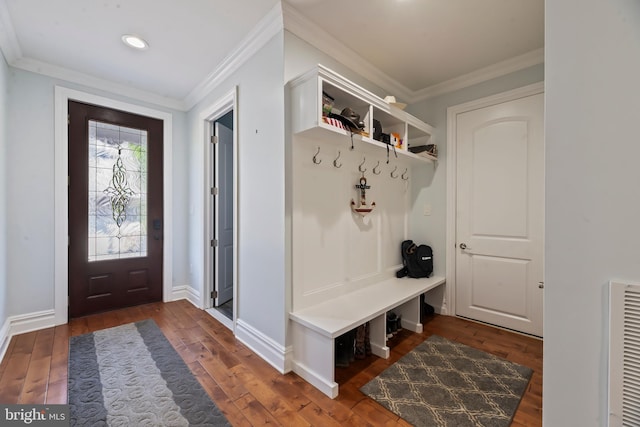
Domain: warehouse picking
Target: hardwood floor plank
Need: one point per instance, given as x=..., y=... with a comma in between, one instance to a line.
x=60, y=356
x=316, y=416
x=279, y=408
x=224, y=403
x=13, y=379
x=248, y=390
x=229, y=383
x=255, y=412
x=34, y=390
x=5, y=359
x=374, y=413
x=57, y=393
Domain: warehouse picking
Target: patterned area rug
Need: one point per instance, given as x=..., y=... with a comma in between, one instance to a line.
x=130, y=375
x=443, y=383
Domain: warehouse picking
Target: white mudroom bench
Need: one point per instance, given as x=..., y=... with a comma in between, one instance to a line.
x=315, y=328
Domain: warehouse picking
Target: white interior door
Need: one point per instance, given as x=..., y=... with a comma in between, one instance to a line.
x=223, y=225
x=500, y=214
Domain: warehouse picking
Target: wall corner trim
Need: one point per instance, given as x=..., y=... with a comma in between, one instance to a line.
x=15, y=325
x=276, y=355
x=186, y=292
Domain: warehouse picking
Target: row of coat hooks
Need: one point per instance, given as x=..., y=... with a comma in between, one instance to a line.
x=376, y=169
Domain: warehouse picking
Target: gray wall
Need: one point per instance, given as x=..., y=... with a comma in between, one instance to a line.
x=30, y=195
x=592, y=196
x=4, y=101
x=261, y=182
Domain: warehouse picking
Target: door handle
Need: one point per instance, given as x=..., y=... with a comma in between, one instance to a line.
x=463, y=246
x=157, y=227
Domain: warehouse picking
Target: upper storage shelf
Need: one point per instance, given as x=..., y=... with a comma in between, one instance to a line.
x=319, y=90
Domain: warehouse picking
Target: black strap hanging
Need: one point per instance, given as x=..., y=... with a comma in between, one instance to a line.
x=395, y=153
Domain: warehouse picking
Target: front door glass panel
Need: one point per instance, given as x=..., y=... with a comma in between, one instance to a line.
x=117, y=192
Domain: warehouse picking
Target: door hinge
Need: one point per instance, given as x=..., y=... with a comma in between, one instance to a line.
x=214, y=294
x=214, y=243
x=214, y=139
x=68, y=181
x=214, y=191
x=68, y=119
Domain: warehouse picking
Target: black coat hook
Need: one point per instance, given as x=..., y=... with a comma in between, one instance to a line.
x=375, y=167
x=315, y=157
x=364, y=159
x=335, y=162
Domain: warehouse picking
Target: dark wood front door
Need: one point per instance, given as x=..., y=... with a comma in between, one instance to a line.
x=115, y=209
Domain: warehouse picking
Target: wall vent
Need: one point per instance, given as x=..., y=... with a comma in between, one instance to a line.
x=624, y=354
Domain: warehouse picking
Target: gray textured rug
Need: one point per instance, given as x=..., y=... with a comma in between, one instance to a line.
x=443, y=383
x=130, y=375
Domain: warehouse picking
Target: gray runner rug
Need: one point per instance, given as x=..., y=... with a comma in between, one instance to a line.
x=443, y=383
x=130, y=375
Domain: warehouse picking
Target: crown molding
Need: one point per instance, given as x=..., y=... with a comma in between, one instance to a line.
x=13, y=55
x=8, y=40
x=77, y=77
x=499, y=69
x=301, y=26
x=281, y=16
x=268, y=27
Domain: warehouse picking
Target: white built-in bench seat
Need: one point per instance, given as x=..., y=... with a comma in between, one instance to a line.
x=314, y=328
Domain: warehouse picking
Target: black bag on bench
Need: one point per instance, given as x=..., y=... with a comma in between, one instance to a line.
x=416, y=259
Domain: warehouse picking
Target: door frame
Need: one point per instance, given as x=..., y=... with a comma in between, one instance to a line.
x=62, y=95
x=222, y=106
x=452, y=174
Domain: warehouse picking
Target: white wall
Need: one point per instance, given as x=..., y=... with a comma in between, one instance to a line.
x=261, y=183
x=30, y=200
x=592, y=196
x=4, y=102
x=325, y=232
x=432, y=229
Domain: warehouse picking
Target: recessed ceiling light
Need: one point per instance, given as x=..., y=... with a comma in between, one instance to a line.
x=134, y=41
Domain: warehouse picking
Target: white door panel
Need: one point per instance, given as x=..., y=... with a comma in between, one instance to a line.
x=497, y=285
x=500, y=214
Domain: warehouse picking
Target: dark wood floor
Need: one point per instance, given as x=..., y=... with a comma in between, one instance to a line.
x=247, y=389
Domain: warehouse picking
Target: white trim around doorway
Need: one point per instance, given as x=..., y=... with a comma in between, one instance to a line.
x=61, y=209
x=222, y=106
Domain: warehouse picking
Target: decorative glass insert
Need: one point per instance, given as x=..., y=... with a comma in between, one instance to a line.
x=117, y=192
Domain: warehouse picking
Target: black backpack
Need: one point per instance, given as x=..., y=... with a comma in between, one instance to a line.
x=416, y=259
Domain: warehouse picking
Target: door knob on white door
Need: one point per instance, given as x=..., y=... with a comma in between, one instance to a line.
x=463, y=246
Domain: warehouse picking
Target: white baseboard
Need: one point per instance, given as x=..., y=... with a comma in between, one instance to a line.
x=310, y=376
x=5, y=337
x=15, y=325
x=188, y=293
x=276, y=355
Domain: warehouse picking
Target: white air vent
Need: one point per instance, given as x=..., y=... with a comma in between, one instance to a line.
x=624, y=354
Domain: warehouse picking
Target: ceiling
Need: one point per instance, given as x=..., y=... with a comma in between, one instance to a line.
x=413, y=46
